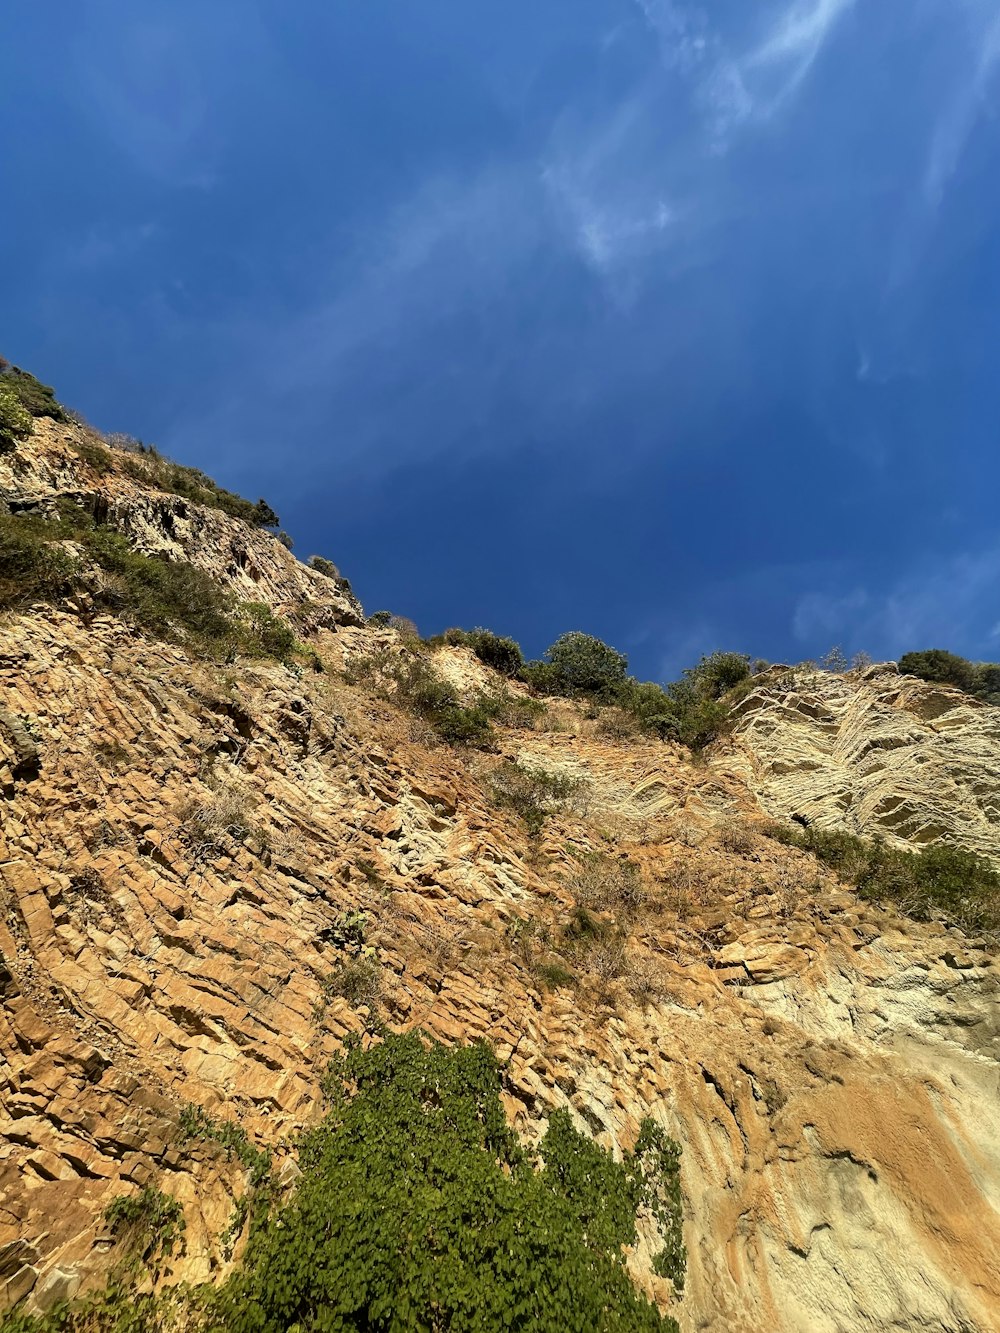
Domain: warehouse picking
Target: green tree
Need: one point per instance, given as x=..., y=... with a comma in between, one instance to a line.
x=582, y=664
x=418, y=1210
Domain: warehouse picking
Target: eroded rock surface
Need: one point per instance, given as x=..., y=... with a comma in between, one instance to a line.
x=874, y=752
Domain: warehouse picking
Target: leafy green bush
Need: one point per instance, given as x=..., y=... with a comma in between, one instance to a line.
x=494, y=650
x=581, y=664
x=418, y=1209
x=262, y=633
x=939, y=878
x=15, y=419
x=38, y=398
x=701, y=701
x=323, y=566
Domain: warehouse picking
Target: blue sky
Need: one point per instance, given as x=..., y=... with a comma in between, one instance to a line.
x=676, y=324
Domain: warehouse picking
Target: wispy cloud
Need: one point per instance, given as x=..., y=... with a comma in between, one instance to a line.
x=963, y=110
x=795, y=40
x=950, y=602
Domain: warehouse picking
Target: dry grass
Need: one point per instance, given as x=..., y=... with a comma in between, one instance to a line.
x=736, y=837
x=608, y=884
x=209, y=825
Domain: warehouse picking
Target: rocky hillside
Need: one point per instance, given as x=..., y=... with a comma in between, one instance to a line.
x=186, y=839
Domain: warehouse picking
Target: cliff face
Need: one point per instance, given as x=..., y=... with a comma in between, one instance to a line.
x=179, y=839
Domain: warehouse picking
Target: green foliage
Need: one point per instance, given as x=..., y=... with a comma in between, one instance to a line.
x=693, y=710
x=33, y=567
x=380, y=619
x=494, y=650
x=95, y=454
x=419, y=1210
x=15, y=419
x=582, y=664
x=420, y=689
x=980, y=679
x=323, y=566
x=532, y=793
x=939, y=878
x=261, y=633
x=149, y=1223
x=37, y=398
x=196, y=1123
x=701, y=701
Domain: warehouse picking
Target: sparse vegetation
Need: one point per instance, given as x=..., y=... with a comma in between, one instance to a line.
x=532, y=793
x=148, y=1224
x=938, y=879
x=603, y=883
x=152, y=468
x=357, y=980
x=411, y=682
x=196, y=1123
x=210, y=824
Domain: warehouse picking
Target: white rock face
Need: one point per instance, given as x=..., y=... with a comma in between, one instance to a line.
x=876, y=753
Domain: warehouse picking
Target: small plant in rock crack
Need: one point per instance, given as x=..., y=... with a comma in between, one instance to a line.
x=373, y=876
x=209, y=824
x=148, y=1224
x=357, y=976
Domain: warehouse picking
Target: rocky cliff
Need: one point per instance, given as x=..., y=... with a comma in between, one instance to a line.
x=181, y=837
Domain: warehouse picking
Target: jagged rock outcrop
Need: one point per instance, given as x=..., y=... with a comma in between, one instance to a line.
x=175, y=859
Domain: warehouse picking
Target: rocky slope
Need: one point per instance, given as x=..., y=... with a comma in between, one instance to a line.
x=180, y=838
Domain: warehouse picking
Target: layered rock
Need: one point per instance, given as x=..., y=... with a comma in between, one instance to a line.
x=874, y=752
